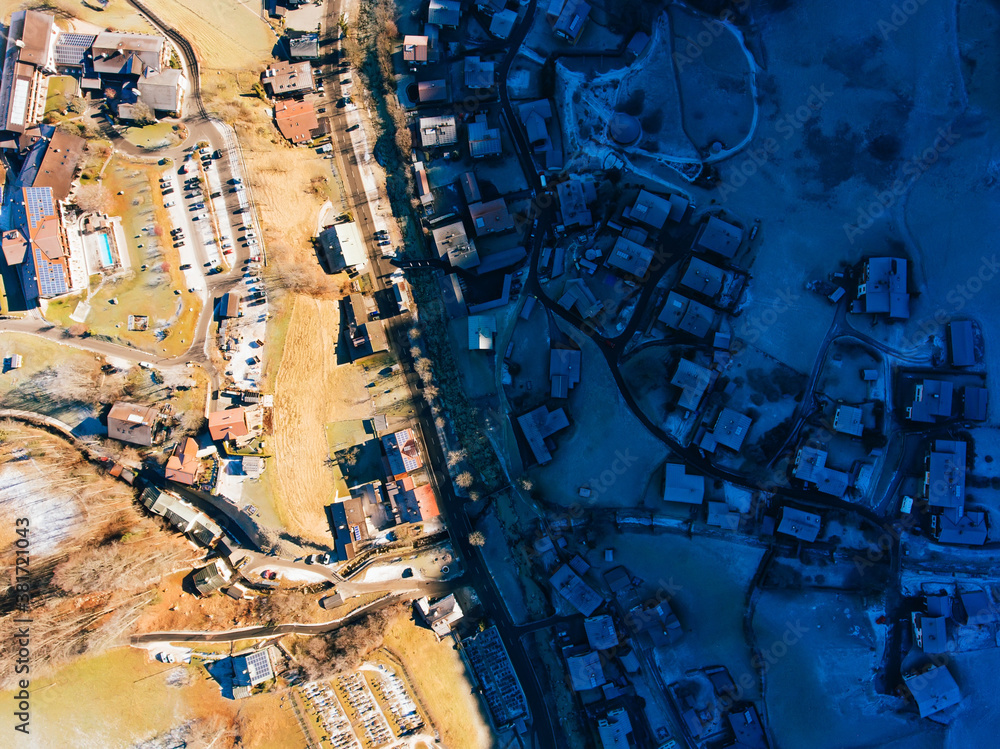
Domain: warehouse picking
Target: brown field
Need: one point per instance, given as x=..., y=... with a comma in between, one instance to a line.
x=118, y=16
x=438, y=675
x=310, y=391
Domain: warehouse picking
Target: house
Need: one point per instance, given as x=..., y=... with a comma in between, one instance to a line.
x=653, y=211
x=438, y=132
x=848, y=420
x=601, y=632
x=721, y=515
x=423, y=184
x=213, y=576
x=303, y=46
x=538, y=426
x=483, y=140
x=252, y=669
x=811, y=467
x=229, y=305
x=931, y=633
x=944, y=480
x=974, y=401
x=470, y=188
x=962, y=343
x=535, y=116
x=415, y=49
x=253, y=466
x=453, y=296
x=577, y=294
x=718, y=236
x=585, y=671
x=687, y=315
x=730, y=430
x=49, y=267
x=430, y=92
x=933, y=690
x=183, y=463
x=932, y=400
x=442, y=615
x=629, y=257
x=411, y=503
x=657, y=624
x=288, y=79
x=402, y=453
x=568, y=584
x=704, y=278
x=367, y=339
x=681, y=486
x=799, y=524
x=452, y=242
x=693, y=380
x=162, y=91
x=230, y=424
x=490, y=217
x=482, y=329
x=503, y=23
x=350, y=531
x=24, y=85
x=574, y=196
x=568, y=18
x=977, y=607
x=564, y=370
x=445, y=14
x=344, y=247
x=960, y=527
x=883, y=288
x=130, y=422
x=480, y=75
x=614, y=729
x=296, y=120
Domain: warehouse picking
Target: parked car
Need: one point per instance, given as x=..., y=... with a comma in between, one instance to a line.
x=326, y=558
x=311, y=559
x=269, y=575
x=186, y=266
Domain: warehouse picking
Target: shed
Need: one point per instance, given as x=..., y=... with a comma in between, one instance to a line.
x=962, y=343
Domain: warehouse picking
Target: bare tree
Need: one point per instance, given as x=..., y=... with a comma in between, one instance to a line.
x=142, y=114
x=476, y=538
x=455, y=457
x=464, y=480
x=92, y=198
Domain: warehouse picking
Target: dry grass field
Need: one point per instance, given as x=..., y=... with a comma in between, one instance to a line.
x=440, y=680
x=118, y=16
x=310, y=391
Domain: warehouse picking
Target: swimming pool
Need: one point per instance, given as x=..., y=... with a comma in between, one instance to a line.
x=104, y=249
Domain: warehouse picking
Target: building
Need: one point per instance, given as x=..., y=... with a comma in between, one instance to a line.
x=693, y=380
x=575, y=591
x=442, y=615
x=212, y=577
x=431, y=92
x=423, y=184
x=687, y=315
x=848, y=420
x=445, y=14
x=452, y=242
x=416, y=49
x=575, y=195
x=183, y=463
x=503, y=23
x=535, y=116
x=130, y=422
x=960, y=527
x=933, y=690
x=931, y=633
x=253, y=466
x=484, y=140
x=577, y=294
x=49, y=267
x=402, y=453
x=230, y=424
x=564, y=370
x=614, y=729
x=944, y=480
x=494, y=671
x=296, y=120
x=883, y=288
x=24, y=86
x=811, y=467
x=629, y=257
x=181, y=515
x=718, y=236
x=344, y=247
x=470, y=188
x=798, y=524
x=704, y=278
x=962, y=343
x=438, y=132
x=538, y=426
x=72, y=50
x=657, y=625
x=681, y=486
x=974, y=402
x=350, y=531
x=252, y=669
x=52, y=161
x=721, y=515
x=501, y=259
x=731, y=429
x=303, y=46
x=482, y=329
x=932, y=400
x=229, y=305
x=585, y=671
x=288, y=79
x=568, y=18
x=653, y=211
x=480, y=75
x=490, y=217
x=601, y=632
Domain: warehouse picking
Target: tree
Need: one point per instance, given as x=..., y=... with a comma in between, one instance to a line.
x=455, y=457
x=92, y=198
x=476, y=538
x=464, y=480
x=142, y=114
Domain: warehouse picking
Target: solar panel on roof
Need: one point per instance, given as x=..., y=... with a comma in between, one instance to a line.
x=71, y=49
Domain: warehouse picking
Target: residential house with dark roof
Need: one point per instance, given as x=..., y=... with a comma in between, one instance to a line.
x=133, y=423
x=811, y=467
x=601, y=632
x=402, y=454
x=538, y=426
x=718, y=236
x=687, y=315
x=416, y=49
x=490, y=217
x=730, y=429
x=479, y=74
x=484, y=140
x=704, y=278
x=849, y=420
x=681, y=486
x=974, y=402
x=932, y=400
x=535, y=116
x=303, y=45
x=212, y=577
x=883, y=288
x=653, y=211
x=693, y=380
x=564, y=370
x=629, y=257
x=585, y=671
x=350, y=531
x=576, y=294
x=433, y=92
x=575, y=195
x=960, y=527
x=568, y=18
x=445, y=14
x=568, y=584
x=503, y=23
x=470, y=187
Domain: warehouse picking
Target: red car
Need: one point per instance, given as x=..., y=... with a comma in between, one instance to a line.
x=269, y=574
